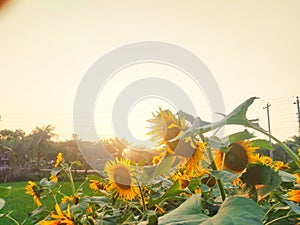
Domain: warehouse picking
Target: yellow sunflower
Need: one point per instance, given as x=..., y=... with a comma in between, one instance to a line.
x=54, y=178
x=183, y=179
x=194, y=162
x=121, y=180
x=279, y=165
x=165, y=126
x=97, y=185
x=265, y=160
x=239, y=155
x=159, y=209
x=155, y=160
x=294, y=196
x=71, y=199
x=61, y=217
x=33, y=190
x=59, y=159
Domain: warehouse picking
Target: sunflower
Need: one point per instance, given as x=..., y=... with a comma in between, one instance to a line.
x=265, y=160
x=121, y=180
x=165, y=126
x=61, y=217
x=72, y=199
x=54, y=178
x=183, y=179
x=159, y=209
x=239, y=155
x=34, y=190
x=279, y=165
x=194, y=162
x=97, y=185
x=155, y=160
x=59, y=159
x=295, y=194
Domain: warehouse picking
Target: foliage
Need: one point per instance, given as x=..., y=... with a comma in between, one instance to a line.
x=195, y=178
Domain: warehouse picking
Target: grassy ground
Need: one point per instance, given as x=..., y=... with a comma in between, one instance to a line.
x=22, y=204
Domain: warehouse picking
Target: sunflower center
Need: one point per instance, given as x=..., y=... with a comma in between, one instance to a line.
x=236, y=159
x=122, y=178
x=170, y=133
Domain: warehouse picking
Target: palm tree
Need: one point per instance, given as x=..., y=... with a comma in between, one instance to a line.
x=41, y=138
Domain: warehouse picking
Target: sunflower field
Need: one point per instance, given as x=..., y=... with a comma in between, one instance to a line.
x=195, y=178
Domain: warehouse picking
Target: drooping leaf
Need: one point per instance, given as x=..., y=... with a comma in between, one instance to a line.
x=225, y=175
x=190, y=212
x=161, y=168
x=237, y=117
x=237, y=210
x=234, y=210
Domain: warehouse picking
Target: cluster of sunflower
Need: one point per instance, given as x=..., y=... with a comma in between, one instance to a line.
x=188, y=166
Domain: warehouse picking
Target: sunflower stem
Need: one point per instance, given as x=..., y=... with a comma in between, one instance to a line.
x=281, y=218
x=142, y=195
x=219, y=181
x=281, y=144
x=271, y=208
x=69, y=174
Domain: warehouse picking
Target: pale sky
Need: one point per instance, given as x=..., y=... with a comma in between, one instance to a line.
x=252, y=48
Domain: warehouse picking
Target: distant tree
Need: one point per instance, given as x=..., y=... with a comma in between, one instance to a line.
x=293, y=143
x=40, y=143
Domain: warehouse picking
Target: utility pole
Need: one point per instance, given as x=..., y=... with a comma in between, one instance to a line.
x=298, y=108
x=269, y=126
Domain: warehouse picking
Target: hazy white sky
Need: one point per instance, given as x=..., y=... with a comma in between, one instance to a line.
x=251, y=47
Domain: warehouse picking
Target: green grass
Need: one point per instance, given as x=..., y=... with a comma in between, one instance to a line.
x=22, y=204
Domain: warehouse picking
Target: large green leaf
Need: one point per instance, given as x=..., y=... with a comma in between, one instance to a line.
x=235, y=210
x=237, y=116
x=190, y=212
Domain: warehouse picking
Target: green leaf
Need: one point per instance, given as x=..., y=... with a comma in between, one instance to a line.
x=172, y=192
x=2, y=203
x=78, y=163
x=262, y=143
x=240, y=136
x=237, y=210
x=261, y=179
x=293, y=206
x=237, y=117
x=286, y=177
x=225, y=175
x=234, y=210
x=150, y=172
x=44, y=182
x=190, y=212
